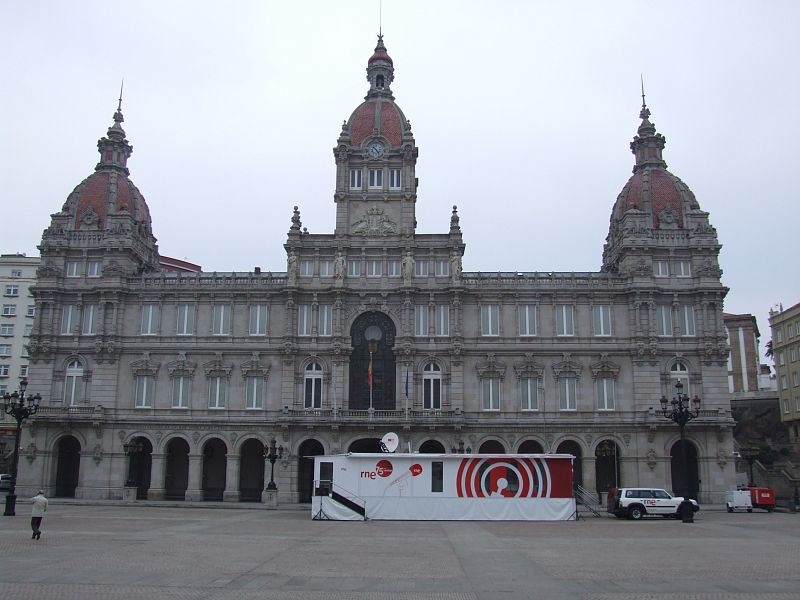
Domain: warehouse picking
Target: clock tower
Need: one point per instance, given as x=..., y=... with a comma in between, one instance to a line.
x=376, y=185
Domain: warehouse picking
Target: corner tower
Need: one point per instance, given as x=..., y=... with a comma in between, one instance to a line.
x=376, y=186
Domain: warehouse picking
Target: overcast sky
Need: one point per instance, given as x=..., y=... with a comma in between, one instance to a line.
x=523, y=113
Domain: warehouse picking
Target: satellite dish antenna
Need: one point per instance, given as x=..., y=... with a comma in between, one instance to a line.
x=389, y=442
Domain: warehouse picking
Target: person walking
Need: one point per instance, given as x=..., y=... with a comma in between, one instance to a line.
x=37, y=514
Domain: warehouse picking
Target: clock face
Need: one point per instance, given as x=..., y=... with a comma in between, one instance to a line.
x=375, y=149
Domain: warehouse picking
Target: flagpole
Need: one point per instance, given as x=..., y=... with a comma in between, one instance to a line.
x=370, y=380
x=406, y=393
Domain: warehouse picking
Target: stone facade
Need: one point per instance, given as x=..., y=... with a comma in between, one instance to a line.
x=785, y=326
x=184, y=378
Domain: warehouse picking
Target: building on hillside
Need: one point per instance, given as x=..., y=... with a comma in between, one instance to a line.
x=785, y=325
x=178, y=381
x=176, y=265
x=17, y=275
x=746, y=373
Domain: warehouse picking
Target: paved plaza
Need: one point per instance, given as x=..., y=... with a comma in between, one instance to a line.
x=135, y=552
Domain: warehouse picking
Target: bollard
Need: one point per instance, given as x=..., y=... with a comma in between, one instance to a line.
x=686, y=511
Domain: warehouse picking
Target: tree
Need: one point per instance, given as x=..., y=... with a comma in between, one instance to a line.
x=769, y=353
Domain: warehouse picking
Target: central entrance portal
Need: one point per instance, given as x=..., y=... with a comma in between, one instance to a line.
x=372, y=362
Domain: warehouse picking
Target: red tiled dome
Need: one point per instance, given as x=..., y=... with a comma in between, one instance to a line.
x=653, y=191
x=377, y=113
x=102, y=192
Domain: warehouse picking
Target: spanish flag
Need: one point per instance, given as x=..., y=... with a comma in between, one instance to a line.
x=369, y=373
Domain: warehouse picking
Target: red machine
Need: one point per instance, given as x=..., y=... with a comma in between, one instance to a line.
x=762, y=497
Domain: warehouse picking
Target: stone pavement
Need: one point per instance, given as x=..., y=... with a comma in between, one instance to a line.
x=113, y=551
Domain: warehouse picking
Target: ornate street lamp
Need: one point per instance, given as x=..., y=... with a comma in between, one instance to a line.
x=679, y=411
x=272, y=454
x=132, y=450
x=20, y=408
x=750, y=454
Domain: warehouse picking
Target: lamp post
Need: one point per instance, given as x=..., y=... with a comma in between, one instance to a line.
x=19, y=407
x=679, y=411
x=132, y=450
x=750, y=455
x=271, y=453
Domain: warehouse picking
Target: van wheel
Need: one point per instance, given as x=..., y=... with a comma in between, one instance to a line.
x=749, y=510
x=730, y=509
x=636, y=512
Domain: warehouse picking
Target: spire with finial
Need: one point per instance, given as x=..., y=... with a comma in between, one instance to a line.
x=380, y=71
x=454, y=226
x=115, y=149
x=647, y=146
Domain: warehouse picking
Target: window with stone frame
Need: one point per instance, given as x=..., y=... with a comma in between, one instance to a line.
x=312, y=386
x=490, y=319
x=442, y=324
x=254, y=392
x=530, y=378
x=601, y=319
x=441, y=267
x=69, y=319
x=306, y=268
x=565, y=322
x=325, y=326
x=9, y=310
x=393, y=268
x=258, y=319
x=304, y=319
x=395, y=180
x=679, y=371
x=221, y=324
x=74, y=384
x=604, y=374
x=421, y=268
x=326, y=268
x=567, y=374
x=527, y=319
x=184, y=319
x=664, y=320
x=374, y=268
x=431, y=386
x=683, y=268
x=686, y=313
x=218, y=377
x=660, y=268
x=181, y=372
x=150, y=319
x=145, y=391
x=89, y=319
x=73, y=268
x=421, y=320
x=94, y=268
x=354, y=268
x=355, y=179
x=376, y=179
x=490, y=376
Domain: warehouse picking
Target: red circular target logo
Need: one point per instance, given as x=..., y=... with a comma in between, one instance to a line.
x=383, y=468
x=416, y=469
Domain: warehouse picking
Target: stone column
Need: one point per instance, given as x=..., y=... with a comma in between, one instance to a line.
x=156, y=491
x=194, y=492
x=232, y=466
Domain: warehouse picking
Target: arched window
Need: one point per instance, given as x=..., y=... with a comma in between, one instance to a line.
x=379, y=81
x=679, y=372
x=73, y=384
x=312, y=386
x=432, y=387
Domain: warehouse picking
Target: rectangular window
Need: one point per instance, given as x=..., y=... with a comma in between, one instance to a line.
x=442, y=325
x=145, y=388
x=9, y=310
x=490, y=393
x=529, y=393
x=601, y=319
x=69, y=317
x=5, y=349
x=376, y=179
x=660, y=268
x=30, y=311
x=180, y=392
x=4, y=370
x=23, y=370
x=779, y=335
x=222, y=320
x=568, y=399
x=255, y=393
x=89, y=319
x=28, y=328
x=432, y=393
x=795, y=379
x=374, y=268
x=353, y=268
x=664, y=319
x=687, y=320
x=258, y=319
x=527, y=319
x=94, y=268
x=150, y=316
x=16, y=273
x=393, y=268
x=786, y=405
x=437, y=476
x=355, y=179
x=564, y=321
x=312, y=397
x=217, y=392
x=325, y=320
x=441, y=268
x=604, y=390
x=12, y=290
x=490, y=319
x=6, y=329
x=797, y=403
x=73, y=268
x=185, y=319
x=421, y=320
x=793, y=354
x=394, y=179
x=781, y=358
x=304, y=319
x=326, y=268
x=784, y=383
x=306, y=268
x=421, y=268
x=683, y=268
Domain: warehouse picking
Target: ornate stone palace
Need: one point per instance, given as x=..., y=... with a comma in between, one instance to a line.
x=174, y=383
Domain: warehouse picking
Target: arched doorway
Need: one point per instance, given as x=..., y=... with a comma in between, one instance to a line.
x=680, y=485
x=68, y=466
x=214, y=464
x=251, y=471
x=373, y=336
x=606, y=466
x=176, y=475
x=305, y=468
x=365, y=445
x=491, y=447
x=140, y=460
x=431, y=447
x=572, y=447
x=530, y=447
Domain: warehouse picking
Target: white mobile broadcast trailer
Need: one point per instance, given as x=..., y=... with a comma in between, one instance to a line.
x=443, y=487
